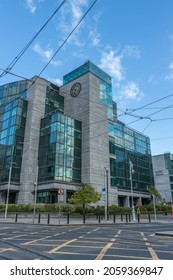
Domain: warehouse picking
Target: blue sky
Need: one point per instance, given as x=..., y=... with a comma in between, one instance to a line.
x=131, y=40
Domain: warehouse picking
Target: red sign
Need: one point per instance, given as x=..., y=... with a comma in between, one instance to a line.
x=60, y=191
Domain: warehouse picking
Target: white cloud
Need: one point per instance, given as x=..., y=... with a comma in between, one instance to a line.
x=112, y=61
x=130, y=91
x=55, y=81
x=95, y=37
x=31, y=6
x=132, y=51
x=112, y=64
x=71, y=13
x=169, y=76
x=45, y=54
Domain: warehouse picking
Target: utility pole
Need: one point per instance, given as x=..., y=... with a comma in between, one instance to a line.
x=8, y=192
x=35, y=194
x=131, y=187
x=9, y=183
x=107, y=194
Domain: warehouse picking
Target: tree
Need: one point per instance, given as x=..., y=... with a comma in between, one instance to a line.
x=153, y=191
x=85, y=195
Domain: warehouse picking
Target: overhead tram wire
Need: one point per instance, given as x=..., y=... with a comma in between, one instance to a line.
x=15, y=60
x=142, y=107
x=11, y=73
x=33, y=81
x=76, y=26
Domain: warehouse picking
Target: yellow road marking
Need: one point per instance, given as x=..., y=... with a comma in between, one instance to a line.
x=6, y=249
x=150, y=249
x=56, y=234
x=105, y=249
x=61, y=246
x=83, y=246
x=108, y=255
x=13, y=237
x=35, y=240
x=153, y=253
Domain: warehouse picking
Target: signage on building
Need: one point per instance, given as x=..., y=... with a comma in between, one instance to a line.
x=159, y=172
x=60, y=191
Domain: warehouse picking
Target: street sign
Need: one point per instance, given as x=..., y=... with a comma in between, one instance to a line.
x=103, y=197
x=103, y=190
x=60, y=198
x=60, y=191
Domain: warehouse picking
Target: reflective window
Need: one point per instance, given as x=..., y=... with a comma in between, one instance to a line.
x=65, y=134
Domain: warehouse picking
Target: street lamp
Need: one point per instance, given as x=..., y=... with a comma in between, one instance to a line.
x=8, y=189
x=9, y=182
x=35, y=194
x=131, y=187
x=154, y=206
x=107, y=193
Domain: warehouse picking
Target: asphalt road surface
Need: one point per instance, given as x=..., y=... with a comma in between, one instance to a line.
x=85, y=242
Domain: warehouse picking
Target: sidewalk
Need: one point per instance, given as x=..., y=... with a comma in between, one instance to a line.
x=55, y=220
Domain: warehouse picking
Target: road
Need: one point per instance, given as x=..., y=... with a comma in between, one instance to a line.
x=85, y=242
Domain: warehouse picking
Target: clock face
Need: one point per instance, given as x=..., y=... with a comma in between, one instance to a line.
x=75, y=89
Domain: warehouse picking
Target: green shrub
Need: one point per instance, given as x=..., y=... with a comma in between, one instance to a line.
x=115, y=210
x=99, y=210
x=79, y=209
x=2, y=207
x=68, y=208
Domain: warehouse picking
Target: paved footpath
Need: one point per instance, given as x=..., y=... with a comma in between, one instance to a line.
x=61, y=221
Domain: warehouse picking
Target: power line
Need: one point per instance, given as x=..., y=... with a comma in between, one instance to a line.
x=9, y=72
x=82, y=18
x=15, y=60
x=164, y=138
x=142, y=107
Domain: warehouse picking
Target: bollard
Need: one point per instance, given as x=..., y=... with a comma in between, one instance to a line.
x=126, y=218
x=39, y=217
x=16, y=218
x=114, y=218
x=121, y=218
x=99, y=219
x=83, y=218
x=149, y=218
x=138, y=218
x=68, y=218
x=48, y=219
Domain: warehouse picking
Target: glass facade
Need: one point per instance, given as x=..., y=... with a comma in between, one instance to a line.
x=126, y=144
x=12, y=129
x=169, y=162
x=11, y=91
x=85, y=68
x=54, y=101
x=105, y=83
x=60, y=149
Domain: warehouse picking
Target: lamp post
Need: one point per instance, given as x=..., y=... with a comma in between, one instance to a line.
x=154, y=206
x=9, y=182
x=35, y=194
x=107, y=194
x=8, y=192
x=131, y=187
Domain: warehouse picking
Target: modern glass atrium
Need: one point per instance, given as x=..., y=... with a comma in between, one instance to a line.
x=12, y=129
x=60, y=149
x=127, y=145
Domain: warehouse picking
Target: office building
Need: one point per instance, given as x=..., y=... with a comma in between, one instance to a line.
x=163, y=175
x=59, y=138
